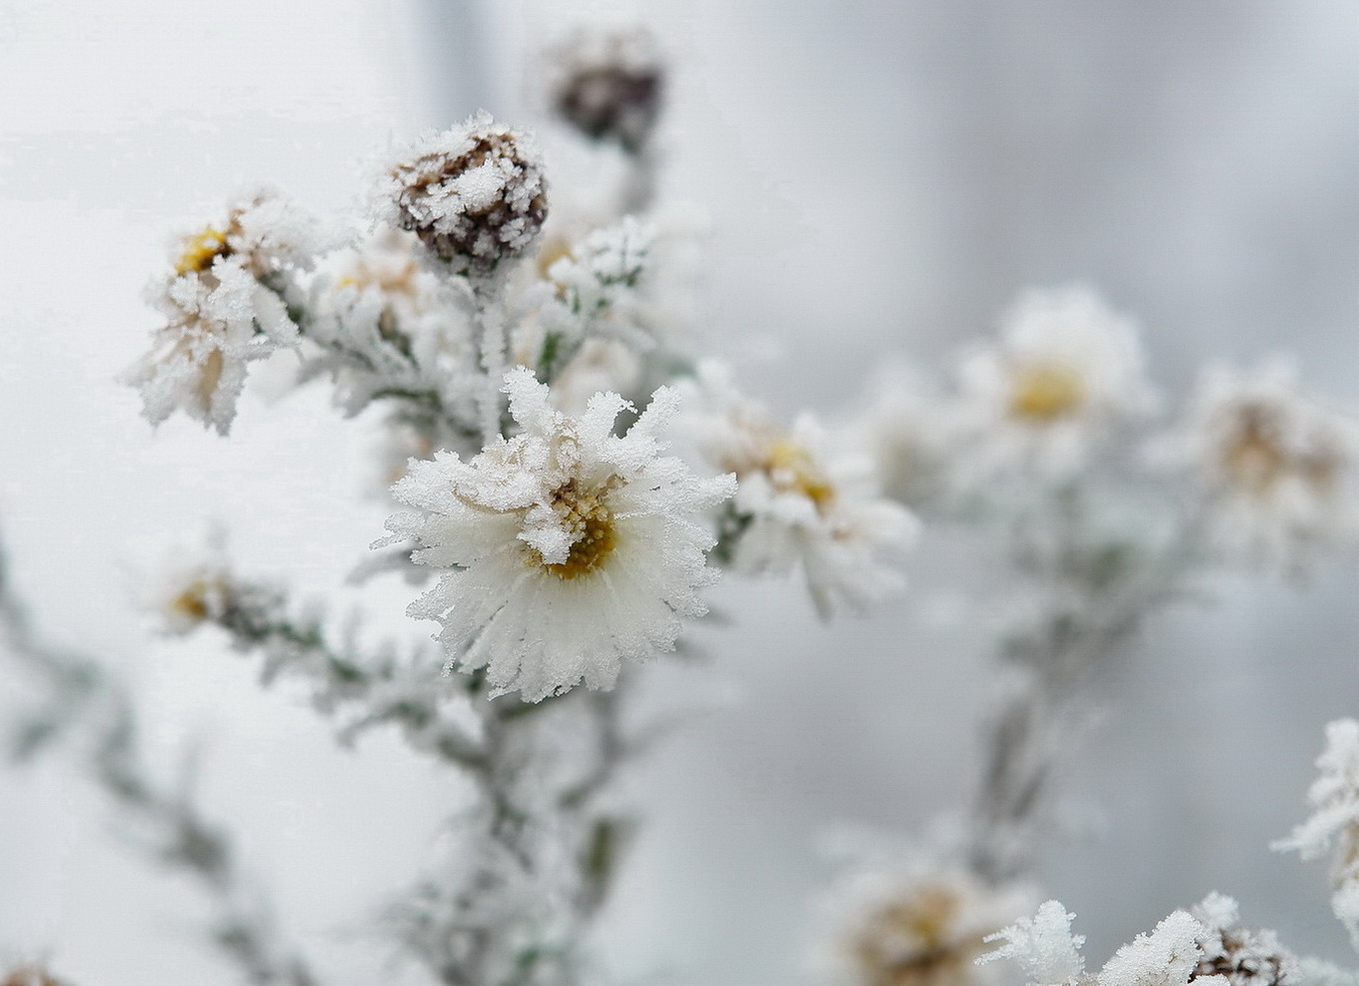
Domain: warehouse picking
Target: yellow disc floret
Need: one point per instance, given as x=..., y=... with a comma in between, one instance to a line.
x=792, y=468
x=200, y=251
x=1045, y=392
x=587, y=518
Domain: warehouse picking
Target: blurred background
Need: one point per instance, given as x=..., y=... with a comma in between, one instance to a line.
x=880, y=179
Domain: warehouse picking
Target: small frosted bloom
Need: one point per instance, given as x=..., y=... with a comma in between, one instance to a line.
x=475, y=195
x=262, y=232
x=214, y=327
x=924, y=926
x=194, y=588
x=224, y=304
x=1064, y=371
x=573, y=549
x=1334, y=823
x=1276, y=467
x=798, y=504
x=609, y=85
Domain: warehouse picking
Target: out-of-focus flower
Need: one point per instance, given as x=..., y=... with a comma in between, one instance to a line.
x=609, y=85
x=921, y=926
x=30, y=976
x=574, y=549
x=474, y=195
x=797, y=505
x=193, y=587
x=1276, y=466
x=907, y=431
x=1334, y=823
x=1065, y=370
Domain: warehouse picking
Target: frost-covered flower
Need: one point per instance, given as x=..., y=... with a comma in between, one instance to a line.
x=263, y=232
x=225, y=304
x=1065, y=370
x=1334, y=824
x=574, y=549
x=1277, y=467
x=609, y=85
x=214, y=327
x=474, y=195
x=798, y=505
x=921, y=926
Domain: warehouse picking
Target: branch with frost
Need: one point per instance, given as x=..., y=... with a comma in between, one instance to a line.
x=1334, y=824
x=83, y=699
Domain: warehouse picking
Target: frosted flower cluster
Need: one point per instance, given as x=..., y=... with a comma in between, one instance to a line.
x=1275, y=465
x=475, y=194
x=223, y=306
x=798, y=504
x=573, y=549
x=1334, y=823
x=1065, y=371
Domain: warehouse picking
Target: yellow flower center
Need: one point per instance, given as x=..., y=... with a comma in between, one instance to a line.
x=588, y=519
x=192, y=602
x=1253, y=455
x=793, y=469
x=912, y=942
x=200, y=251
x=1044, y=392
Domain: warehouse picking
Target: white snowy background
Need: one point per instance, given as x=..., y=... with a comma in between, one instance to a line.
x=881, y=177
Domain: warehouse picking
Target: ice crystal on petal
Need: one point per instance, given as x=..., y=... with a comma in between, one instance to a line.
x=1043, y=946
x=1168, y=956
x=1334, y=799
x=575, y=549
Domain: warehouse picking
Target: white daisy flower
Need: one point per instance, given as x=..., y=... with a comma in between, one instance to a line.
x=1064, y=371
x=799, y=505
x=1276, y=467
x=573, y=549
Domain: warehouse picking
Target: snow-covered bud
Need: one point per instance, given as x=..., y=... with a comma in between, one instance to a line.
x=474, y=195
x=1245, y=957
x=608, y=85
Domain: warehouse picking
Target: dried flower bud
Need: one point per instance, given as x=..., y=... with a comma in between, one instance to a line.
x=609, y=86
x=474, y=195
